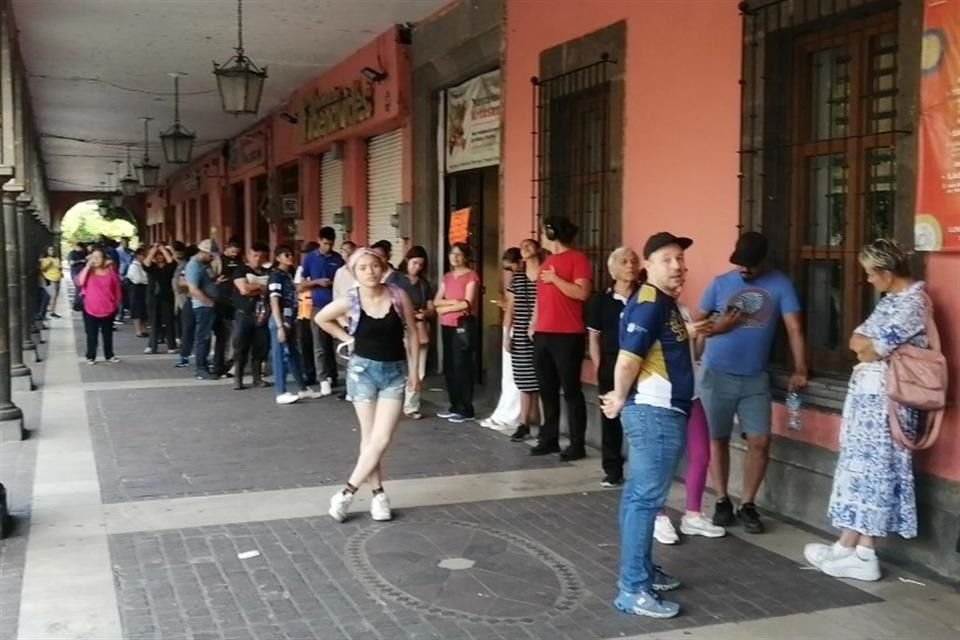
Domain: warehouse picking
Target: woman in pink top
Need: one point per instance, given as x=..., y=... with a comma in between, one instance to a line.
x=100, y=286
x=456, y=304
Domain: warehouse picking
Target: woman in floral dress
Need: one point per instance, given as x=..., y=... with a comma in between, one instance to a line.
x=873, y=488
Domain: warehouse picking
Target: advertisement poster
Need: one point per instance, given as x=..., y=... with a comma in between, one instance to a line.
x=473, y=123
x=937, y=223
x=459, y=226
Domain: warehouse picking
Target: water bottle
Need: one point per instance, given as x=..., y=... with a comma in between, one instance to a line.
x=793, y=411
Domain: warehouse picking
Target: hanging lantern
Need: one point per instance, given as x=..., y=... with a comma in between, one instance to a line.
x=147, y=173
x=128, y=184
x=239, y=80
x=177, y=140
x=103, y=207
x=116, y=196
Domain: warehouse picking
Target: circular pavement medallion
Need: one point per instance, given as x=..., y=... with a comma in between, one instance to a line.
x=464, y=571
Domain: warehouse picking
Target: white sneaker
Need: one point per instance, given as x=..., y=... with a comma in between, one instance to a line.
x=308, y=394
x=148, y=351
x=816, y=553
x=663, y=531
x=325, y=388
x=852, y=566
x=340, y=505
x=380, y=508
x=287, y=398
x=91, y=362
x=699, y=525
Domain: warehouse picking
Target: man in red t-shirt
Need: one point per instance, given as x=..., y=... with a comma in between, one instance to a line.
x=559, y=338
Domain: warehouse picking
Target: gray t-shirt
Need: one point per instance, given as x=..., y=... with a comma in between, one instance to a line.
x=420, y=292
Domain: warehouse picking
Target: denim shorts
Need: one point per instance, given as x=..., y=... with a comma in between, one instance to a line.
x=747, y=397
x=372, y=380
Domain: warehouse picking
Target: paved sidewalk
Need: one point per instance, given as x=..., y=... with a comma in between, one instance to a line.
x=141, y=489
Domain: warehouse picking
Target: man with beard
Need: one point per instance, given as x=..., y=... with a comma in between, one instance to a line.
x=746, y=305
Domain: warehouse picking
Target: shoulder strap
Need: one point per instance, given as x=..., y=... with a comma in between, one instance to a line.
x=925, y=439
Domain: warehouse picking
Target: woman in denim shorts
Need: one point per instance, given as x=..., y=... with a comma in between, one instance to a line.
x=378, y=316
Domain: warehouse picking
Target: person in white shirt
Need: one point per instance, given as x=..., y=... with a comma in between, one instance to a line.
x=138, y=280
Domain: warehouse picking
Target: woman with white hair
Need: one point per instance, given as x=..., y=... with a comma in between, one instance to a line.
x=382, y=364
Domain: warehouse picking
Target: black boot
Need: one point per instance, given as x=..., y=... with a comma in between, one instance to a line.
x=238, y=381
x=520, y=434
x=258, y=375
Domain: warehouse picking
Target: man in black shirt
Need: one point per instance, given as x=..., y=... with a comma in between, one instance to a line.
x=160, y=265
x=230, y=261
x=251, y=338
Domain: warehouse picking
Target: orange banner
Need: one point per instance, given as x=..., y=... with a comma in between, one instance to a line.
x=937, y=223
x=459, y=226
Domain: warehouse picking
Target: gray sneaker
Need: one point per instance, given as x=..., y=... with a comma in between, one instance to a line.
x=646, y=604
x=664, y=581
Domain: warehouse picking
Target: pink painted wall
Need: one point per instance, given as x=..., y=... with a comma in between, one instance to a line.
x=680, y=163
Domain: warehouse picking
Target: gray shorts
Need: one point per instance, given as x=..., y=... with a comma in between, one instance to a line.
x=726, y=395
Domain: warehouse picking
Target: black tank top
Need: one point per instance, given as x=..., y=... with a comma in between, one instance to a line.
x=380, y=339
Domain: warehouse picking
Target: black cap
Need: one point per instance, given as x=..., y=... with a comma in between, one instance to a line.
x=660, y=240
x=751, y=250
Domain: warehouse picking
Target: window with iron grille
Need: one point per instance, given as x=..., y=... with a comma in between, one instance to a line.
x=820, y=139
x=572, y=168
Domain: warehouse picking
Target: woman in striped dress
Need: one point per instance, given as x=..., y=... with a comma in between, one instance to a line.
x=521, y=297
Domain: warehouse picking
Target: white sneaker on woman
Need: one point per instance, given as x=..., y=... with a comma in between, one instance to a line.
x=816, y=552
x=287, y=398
x=852, y=566
x=663, y=531
x=340, y=505
x=699, y=525
x=380, y=508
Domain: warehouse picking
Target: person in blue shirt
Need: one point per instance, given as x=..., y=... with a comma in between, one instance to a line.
x=746, y=304
x=652, y=394
x=319, y=268
x=203, y=294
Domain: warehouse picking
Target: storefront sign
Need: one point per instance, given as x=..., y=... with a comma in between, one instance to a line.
x=473, y=123
x=459, y=226
x=325, y=114
x=245, y=150
x=937, y=224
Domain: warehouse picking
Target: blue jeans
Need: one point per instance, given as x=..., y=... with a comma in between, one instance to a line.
x=286, y=357
x=202, y=326
x=656, y=438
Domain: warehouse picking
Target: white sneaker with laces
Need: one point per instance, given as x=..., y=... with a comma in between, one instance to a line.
x=325, y=388
x=380, y=508
x=308, y=394
x=663, y=531
x=699, y=525
x=287, y=398
x=816, y=553
x=852, y=566
x=340, y=505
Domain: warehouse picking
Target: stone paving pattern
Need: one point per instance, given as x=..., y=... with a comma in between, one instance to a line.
x=525, y=568
x=207, y=439
x=17, y=465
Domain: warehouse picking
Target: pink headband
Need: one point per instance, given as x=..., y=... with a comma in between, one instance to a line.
x=358, y=253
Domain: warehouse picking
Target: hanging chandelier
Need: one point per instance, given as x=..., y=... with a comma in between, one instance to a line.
x=103, y=205
x=147, y=172
x=239, y=80
x=177, y=140
x=116, y=195
x=128, y=184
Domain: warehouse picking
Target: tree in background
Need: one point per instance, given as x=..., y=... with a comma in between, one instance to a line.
x=84, y=223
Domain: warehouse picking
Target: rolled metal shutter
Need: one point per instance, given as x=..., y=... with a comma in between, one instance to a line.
x=331, y=193
x=385, y=189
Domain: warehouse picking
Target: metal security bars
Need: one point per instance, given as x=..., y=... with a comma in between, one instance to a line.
x=572, y=168
x=819, y=142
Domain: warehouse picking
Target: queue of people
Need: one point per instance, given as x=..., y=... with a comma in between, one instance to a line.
x=672, y=380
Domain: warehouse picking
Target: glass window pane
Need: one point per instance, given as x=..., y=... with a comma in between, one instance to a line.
x=881, y=192
x=827, y=217
x=824, y=304
x=830, y=92
x=882, y=85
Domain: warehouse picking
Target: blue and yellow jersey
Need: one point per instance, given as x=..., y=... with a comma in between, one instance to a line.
x=652, y=329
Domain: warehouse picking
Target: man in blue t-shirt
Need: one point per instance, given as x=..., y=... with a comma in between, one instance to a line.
x=203, y=294
x=746, y=305
x=319, y=268
x=653, y=393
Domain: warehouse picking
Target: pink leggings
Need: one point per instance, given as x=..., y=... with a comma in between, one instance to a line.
x=698, y=456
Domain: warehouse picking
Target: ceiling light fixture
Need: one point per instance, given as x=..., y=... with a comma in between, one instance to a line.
x=239, y=80
x=116, y=196
x=177, y=140
x=128, y=184
x=373, y=75
x=147, y=172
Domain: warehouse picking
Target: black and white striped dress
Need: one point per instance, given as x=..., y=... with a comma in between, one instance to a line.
x=524, y=293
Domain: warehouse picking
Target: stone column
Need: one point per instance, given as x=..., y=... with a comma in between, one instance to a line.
x=26, y=254
x=35, y=232
x=21, y=379
x=10, y=414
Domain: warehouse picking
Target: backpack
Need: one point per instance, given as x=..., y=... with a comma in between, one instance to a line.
x=917, y=378
x=353, y=316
